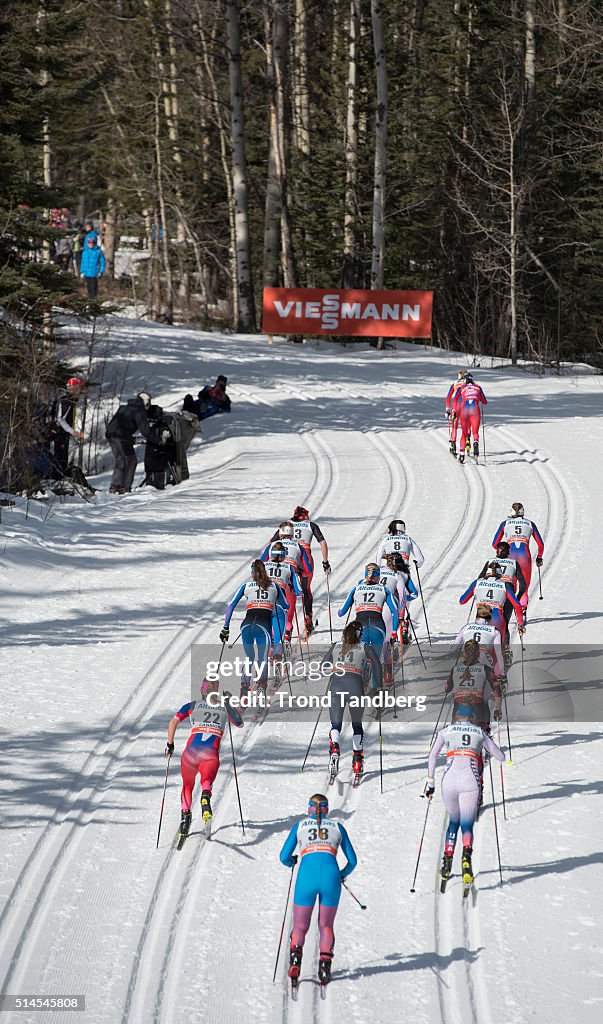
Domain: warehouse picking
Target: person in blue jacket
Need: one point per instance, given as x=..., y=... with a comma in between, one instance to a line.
x=319, y=876
x=368, y=598
x=92, y=265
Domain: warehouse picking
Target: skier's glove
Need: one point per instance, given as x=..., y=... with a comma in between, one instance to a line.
x=497, y=714
x=343, y=876
x=327, y=568
x=539, y=562
x=448, y=413
x=429, y=788
x=449, y=686
x=169, y=749
x=224, y=634
x=521, y=630
x=292, y=861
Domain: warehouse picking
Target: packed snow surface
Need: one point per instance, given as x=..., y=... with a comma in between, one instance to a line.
x=101, y=602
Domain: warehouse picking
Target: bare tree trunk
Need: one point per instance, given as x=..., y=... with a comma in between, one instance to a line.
x=163, y=239
x=281, y=48
x=301, y=95
x=273, y=190
x=348, y=273
x=246, y=318
x=110, y=229
x=380, y=171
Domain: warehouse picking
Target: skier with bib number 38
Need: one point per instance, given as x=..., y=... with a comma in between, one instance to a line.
x=319, y=877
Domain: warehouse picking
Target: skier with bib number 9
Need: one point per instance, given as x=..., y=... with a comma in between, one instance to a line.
x=201, y=755
x=461, y=784
x=319, y=877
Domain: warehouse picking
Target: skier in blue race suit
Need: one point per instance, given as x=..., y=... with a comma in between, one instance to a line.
x=320, y=876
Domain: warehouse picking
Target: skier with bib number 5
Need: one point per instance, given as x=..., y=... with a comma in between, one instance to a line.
x=319, y=877
x=518, y=532
x=201, y=755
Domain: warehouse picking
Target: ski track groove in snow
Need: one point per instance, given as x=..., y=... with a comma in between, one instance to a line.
x=49, y=855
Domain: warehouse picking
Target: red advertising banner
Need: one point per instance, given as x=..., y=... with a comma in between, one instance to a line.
x=363, y=313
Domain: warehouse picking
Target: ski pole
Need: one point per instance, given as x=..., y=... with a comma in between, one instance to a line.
x=508, y=730
x=412, y=888
x=502, y=780
x=167, y=768
x=329, y=607
x=523, y=680
x=299, y=639
x=234, y=765
x=314, y=730
x=414, y=633
x=470, y=610
x=361, y=905
x=422, y=601
x=495, y=821
x=380, y=753
x=539, y=583
x=484, y=434
x=280, y=941
x=230, y=646
x=435, y=728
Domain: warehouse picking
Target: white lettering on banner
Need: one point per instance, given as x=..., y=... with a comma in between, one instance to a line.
x=330, y=311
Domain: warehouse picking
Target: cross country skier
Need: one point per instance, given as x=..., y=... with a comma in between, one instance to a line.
x=319, y=876
x=395, y=576
x=304, y=531
x=518, y=532
x=295, y=556
x=285, y=576
x=350, y=660
x=201, y=755
x=369, y=598
x=488, y=638
x=466, y=406
x=261, y=597
x=490, y=590
x=461, y=784
x=398, y=542
x=452, y=417
x=467, y=682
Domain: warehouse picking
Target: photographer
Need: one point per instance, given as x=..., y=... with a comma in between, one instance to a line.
x=129, y=419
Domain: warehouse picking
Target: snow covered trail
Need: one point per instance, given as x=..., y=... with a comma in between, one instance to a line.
x=104, y=602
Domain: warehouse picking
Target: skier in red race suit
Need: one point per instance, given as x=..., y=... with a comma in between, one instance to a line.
x=466, y=406
x=452, y=417
x=518, y=532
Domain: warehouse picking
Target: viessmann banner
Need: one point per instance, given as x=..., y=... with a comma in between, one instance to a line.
x=358, y=312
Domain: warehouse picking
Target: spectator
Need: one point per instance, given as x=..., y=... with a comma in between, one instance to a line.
x=127, y=421
x=62, y=422
x=92, y=265
x=212, y=399
x=63, y=252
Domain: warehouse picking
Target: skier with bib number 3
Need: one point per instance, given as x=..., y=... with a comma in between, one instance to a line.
x=319, y=877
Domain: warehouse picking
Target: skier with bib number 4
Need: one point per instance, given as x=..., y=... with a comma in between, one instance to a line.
x=350, y=658
x=201, y=755
x=319, y=877
x=463, y=742
x=491, y=591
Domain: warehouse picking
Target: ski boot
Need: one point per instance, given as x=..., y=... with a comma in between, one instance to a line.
x=508, y=656
x=206, y=805
x=357, y=766
x=446, y=865
x=309, y=625
x=467, y=868
x=468, y=446
x=262, y=689
x=475, y=449
x=185, y=822
x=324, y=968
x=295, y=959
x=406, y=637
x=462, y=457
x=453, y=448
x=334, y=752
x=244, y=695
x=395, y=647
